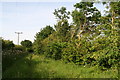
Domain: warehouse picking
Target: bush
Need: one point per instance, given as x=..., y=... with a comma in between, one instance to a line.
x=7, y=45
x=30, y=50
x=19, y=47
x=54, y=50
x=74, y=53
x=106, y=52
x=26, y=43
x=42, y=39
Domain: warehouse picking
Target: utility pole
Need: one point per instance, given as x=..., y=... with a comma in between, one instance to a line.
x=18, y=35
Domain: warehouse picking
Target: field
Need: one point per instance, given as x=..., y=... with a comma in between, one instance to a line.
x=37, y=66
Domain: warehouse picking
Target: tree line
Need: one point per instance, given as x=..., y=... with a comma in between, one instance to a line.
x=91, y=39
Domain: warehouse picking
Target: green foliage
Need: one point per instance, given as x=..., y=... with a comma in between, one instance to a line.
x=10, y=53
x=86, y=14
x=62, y=14
x=63, y=30
x=9, y=58
x=107, y=51
x=19, y=48
x=97, y=43
x=7, y=44
x=42, y=67
x=44, y=33
x=85, y=18
x=26, y=43
x=91, y=39
x=62, y=27
x=78, y=17
x=78, y=52
x=69, y=53
x=54, y=50
x=30, y=50
x=40, y=36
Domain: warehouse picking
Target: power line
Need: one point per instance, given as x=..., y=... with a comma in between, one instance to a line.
x=18, y=35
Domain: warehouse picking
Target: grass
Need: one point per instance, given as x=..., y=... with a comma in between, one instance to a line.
x=9, y=58
x=41, y=67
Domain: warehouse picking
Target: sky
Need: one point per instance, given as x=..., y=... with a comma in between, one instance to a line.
x=29, y=18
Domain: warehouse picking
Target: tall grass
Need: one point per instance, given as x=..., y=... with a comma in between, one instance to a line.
x=10, y=57
x=40, y=67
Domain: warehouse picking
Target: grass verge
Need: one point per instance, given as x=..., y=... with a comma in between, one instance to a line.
x=38, y=66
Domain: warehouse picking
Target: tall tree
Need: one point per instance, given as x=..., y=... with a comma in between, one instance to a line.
x=113, y=13
x=85, y=17
x=61, y=14
x=62, y=27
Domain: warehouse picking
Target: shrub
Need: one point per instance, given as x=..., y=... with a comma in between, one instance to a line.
x=26, y=43
x=73, y=53
x=54, y=50
x=30, y=50
x=106, y=52
x=19, y=47
x=7, y=45
x=41, y=39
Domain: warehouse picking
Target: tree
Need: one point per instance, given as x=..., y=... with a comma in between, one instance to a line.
x=62, y=27
x=44, y=33
x=63, y=30
x=61, y=14
x=105, y=48
x=40, y=36
x=26, y=43
x=7, y=45
x=98, y=36
x=113, y=13
x=85, y=17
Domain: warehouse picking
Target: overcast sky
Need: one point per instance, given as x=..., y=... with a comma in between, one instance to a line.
x=29, y=17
